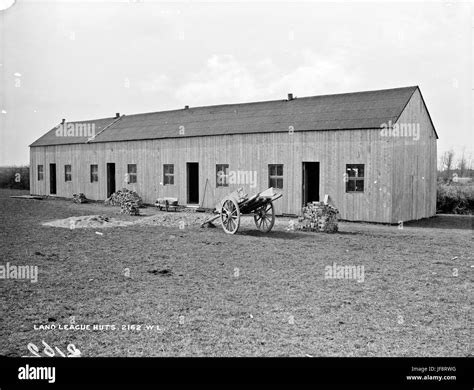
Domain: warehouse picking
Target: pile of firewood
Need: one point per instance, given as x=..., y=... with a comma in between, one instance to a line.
x=319, y=217
x=123, y=195
x=129, y=201
x=81, y=198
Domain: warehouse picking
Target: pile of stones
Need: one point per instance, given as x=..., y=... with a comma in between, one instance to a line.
x=319, y=217
x=81, y=198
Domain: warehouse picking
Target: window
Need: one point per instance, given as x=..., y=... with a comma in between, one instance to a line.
x=168, y=174
x=67, y=173
x=275, y=175
x=94, y=173
x=132, y=173
x=40, y=172
x=354, y=178
x=222, y=175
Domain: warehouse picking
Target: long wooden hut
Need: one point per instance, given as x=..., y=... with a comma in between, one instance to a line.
x=373, y=152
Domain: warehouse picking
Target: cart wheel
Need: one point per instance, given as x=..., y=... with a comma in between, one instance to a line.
x=230, y=216
x=265, y=218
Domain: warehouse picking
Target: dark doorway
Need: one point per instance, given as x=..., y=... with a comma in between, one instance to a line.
x=52, y=179
x=110, y=179
x=193, y=182
x=310, y=182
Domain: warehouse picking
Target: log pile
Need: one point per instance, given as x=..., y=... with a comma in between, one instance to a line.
x=129, y=201
x=81, y=198
x=123, y=195
x=319, y=217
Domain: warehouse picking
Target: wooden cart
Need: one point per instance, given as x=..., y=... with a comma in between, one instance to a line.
x=237, y=204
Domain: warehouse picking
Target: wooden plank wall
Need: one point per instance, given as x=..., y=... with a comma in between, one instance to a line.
x=246, y=152
x=414, y=168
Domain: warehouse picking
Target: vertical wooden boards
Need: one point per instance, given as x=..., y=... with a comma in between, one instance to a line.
x=414, y=167
x=388, y=165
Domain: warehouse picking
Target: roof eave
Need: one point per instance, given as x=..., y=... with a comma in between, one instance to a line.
x=428, y=112
x=202, y=135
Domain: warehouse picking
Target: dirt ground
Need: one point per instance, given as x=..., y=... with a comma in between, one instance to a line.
x=252, y=294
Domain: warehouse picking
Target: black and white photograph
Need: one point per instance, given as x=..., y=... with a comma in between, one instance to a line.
x=240, y=180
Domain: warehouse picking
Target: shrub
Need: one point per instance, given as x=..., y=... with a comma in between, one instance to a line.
x=455, y=199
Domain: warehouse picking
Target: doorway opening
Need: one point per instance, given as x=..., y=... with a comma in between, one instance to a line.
x=192, y=173
x=310, y=182
x=52, y=179
x=110, y=179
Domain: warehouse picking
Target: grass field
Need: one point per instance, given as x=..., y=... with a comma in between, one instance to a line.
x=251, y=294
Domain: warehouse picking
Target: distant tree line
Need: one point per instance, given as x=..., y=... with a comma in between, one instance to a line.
x=454, y=197
x=15, y=177
x=448, y=165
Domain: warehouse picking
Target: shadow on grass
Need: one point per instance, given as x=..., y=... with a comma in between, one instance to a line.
x=273, y=234
x=444, y=221
x=295, y=235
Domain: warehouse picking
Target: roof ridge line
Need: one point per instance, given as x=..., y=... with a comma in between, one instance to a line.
x=270, y=101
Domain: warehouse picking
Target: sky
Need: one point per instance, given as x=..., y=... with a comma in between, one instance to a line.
x=91, y=59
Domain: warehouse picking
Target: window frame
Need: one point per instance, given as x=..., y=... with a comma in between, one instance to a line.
x=94, y=176
x=40, y=173
x=351, y=181
x=132, y=176
x=67, y=175
x=226, y=175
x=168, y=178
x=276, y=177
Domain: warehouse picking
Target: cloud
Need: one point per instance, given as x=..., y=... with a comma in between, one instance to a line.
x=5, y=4
x=315, y=75
x=159, y=83
x=225, y=79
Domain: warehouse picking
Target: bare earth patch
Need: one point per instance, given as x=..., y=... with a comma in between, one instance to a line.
x=87, y=221
x=150, y=217
x=252, y=294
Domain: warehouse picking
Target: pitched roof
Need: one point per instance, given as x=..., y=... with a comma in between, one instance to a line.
x=54, y=136
x=348, y=111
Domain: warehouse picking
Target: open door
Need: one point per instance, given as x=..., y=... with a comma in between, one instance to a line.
x=310, y=182
x=192, y=173
x=52, y=179
x=110, y=179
